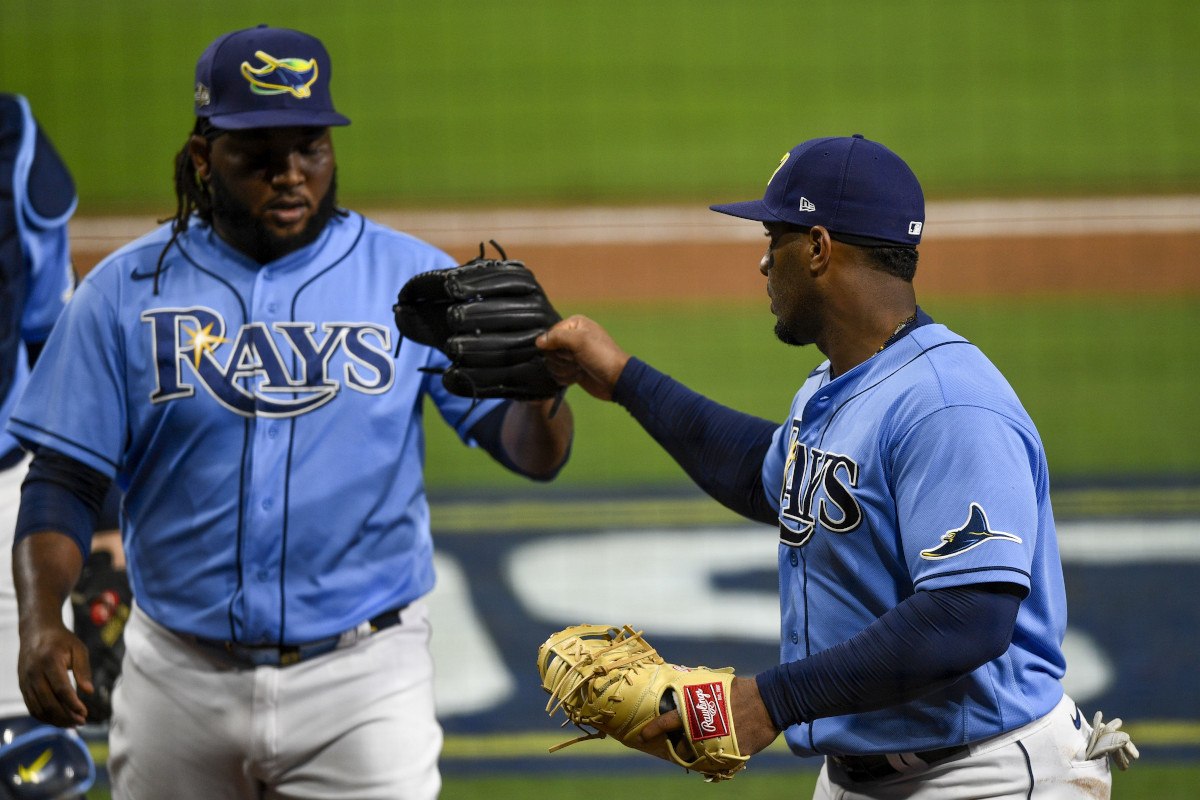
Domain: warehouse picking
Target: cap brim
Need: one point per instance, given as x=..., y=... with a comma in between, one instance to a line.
x=278, y=118
x=747, y=209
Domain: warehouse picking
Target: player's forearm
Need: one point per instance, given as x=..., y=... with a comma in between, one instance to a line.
x=925, y=643
x=721, y=449
x=46, y=566
x=60, y=501
x=536, y=442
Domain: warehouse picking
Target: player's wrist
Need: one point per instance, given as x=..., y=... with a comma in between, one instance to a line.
x=628, y=380
x=620, y=364
x=774, y=690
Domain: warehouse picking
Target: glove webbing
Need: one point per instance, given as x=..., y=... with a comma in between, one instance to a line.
x=562, y=689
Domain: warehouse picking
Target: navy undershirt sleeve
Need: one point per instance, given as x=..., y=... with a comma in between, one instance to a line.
x=61, y=494
x=925, y=643
x=109, y=516
x=722, y=450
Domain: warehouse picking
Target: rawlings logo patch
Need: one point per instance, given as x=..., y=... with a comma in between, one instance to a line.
x=708, y=714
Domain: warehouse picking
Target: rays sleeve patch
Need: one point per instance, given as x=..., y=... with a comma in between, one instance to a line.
x=974, y=532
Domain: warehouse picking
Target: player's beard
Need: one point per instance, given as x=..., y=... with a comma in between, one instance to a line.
x=260, y=242
x=785, y=335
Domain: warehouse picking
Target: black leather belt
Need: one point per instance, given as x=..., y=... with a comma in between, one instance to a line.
x=255, y=655
x=873, y=768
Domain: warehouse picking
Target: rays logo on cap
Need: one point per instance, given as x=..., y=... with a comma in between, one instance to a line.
x=974, y=532
x=782, y=161
x=293, y=76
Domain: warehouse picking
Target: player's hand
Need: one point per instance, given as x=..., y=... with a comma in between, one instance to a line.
x=47, y=659
x=751, y=722
x=579, y=351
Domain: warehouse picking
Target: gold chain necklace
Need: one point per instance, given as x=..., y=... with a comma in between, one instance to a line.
x=909, y=321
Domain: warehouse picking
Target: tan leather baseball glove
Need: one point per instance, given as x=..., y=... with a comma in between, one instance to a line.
x=612, y=681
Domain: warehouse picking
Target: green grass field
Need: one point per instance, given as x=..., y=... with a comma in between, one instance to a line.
x=1142, y=782
x=1110, y=383
x=461, y=103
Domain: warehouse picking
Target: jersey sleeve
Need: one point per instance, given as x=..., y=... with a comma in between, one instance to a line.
x=460, y=413
x=772, y=467
x=75, y=399
x=966, y=499
x=51, y=285
x=46, y=197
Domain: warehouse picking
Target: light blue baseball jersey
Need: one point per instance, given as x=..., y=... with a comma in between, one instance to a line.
x=918, y=469
x=37, y=198
x=267, y=436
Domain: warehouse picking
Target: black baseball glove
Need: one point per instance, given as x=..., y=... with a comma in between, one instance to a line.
x=101, y=601
x=484, y=315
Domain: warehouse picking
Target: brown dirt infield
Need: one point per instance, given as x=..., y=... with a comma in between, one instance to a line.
x=1155, y=264
x=1126, y=264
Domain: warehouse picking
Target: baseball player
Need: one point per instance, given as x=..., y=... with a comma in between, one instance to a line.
x=921, y=590
x=236, y=371
x=37, y=198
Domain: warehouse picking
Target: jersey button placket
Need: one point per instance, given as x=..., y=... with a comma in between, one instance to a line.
x=817, y=406
x=265, y=524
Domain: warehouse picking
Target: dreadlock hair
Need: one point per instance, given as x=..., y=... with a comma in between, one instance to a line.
x=191, y=195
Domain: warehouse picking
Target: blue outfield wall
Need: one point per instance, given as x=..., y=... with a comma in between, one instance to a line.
x=701, y=583
x=704, y=590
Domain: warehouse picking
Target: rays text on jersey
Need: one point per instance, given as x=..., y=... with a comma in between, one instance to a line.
x=277, y=370
x=817, y=486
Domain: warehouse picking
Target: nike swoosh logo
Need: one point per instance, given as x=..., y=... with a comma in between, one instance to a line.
x=1076, y=719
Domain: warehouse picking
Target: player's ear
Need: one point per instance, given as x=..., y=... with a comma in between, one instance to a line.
x=819, y=246
x=199, y=150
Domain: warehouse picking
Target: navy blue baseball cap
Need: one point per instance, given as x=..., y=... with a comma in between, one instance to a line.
x=265, y=77
x=862, y=192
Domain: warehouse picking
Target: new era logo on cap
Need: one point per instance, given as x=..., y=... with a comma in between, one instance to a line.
x=850, y=185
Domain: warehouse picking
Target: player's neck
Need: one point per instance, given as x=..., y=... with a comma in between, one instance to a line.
x=860, y=341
